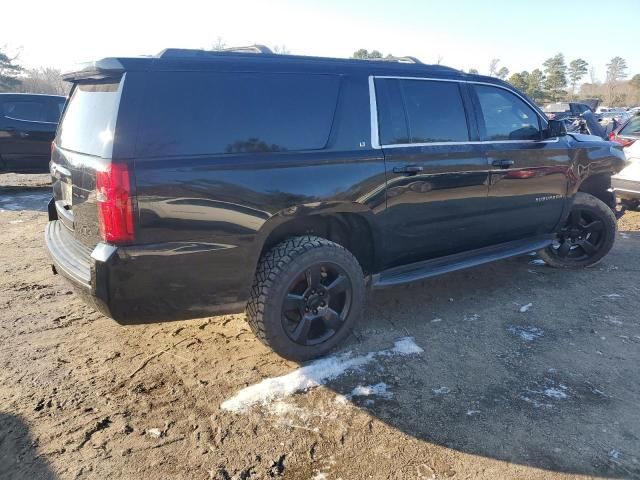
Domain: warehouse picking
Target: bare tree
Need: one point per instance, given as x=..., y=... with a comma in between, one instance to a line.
x=281, y=49
x=493, y=67
x=218, y=44
x=44, y=80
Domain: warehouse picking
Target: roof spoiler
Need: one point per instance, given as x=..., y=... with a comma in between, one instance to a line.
x=98, y=70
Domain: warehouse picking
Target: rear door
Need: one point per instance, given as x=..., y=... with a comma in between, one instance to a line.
x=528, y=186
x=436, y=172
x=85, y=144
x=28, y=127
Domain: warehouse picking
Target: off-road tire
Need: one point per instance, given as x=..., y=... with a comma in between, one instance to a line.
x=280, y=266
x=598, y=209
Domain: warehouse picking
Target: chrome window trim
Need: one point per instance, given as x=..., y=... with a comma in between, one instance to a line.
x=373, y=108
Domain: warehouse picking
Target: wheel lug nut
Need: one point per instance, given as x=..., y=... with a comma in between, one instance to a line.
x=315, y=311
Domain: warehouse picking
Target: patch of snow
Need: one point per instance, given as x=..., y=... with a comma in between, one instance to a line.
x=406, y=346
x=471, y=318
x=537, y=261
x=613, y=295
x=471, y=413
x=154, y=432
x=526, y=307
x=379, y=389
x=528, y=334
x=534, y=402
x=556, y=393
x=314, y=374
x=625, y=235
x=614, y=454
x=612, y=319
x=436, y=320
x=441, y=390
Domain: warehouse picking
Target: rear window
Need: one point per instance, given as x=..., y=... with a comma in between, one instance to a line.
x=89, y=122
x=196, y=113
x=420, y=111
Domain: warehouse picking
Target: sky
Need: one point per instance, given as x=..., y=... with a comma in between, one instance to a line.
x=463, y=34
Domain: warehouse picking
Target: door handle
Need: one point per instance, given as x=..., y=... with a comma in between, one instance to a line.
x=502, y=163
x=408, y=169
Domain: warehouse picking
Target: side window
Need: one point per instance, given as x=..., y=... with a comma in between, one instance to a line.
x=433, y=112
x=29, y=110
x=200, y=113
x=505, y=116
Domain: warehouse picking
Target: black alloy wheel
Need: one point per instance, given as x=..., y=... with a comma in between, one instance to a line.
x=317, y=304
x=582, y=237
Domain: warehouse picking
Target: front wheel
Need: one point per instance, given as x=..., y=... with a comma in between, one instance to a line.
x=307, y=294
x=586, y=237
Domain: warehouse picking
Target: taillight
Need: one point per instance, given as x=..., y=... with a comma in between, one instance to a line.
x=625, y=142
x=115, y=209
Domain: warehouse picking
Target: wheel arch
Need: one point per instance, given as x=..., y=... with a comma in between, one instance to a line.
x=351, y=227
x=599, y=186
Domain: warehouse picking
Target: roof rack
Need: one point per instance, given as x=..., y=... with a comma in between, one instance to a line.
x=249, y=49
x=405, y=59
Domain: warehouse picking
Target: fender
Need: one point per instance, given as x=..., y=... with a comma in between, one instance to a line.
x=316, y=213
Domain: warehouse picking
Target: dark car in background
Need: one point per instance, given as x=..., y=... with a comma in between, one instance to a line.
x=28, y=124
x=194, y=183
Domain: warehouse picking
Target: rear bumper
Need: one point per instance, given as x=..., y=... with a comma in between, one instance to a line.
x=625, y=188
x=150, y=283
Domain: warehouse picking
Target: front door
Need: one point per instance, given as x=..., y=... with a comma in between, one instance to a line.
x=529, y=174
x=436, y=175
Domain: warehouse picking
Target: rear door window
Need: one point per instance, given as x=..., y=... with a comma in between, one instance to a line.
x=26, y=110
x=420, y=111
x=200, y=113
x=89, y=122
x=504, y=116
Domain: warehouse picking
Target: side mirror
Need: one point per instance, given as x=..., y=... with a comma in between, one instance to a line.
x=555, y=128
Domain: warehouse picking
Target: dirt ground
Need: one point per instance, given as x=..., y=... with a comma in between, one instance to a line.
x=503, y=389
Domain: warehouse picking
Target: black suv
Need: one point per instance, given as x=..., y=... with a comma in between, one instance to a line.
x=195, y=183
x=27, y=126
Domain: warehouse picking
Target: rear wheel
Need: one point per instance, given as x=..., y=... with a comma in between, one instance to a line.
x=307, y=293
x=586, y=237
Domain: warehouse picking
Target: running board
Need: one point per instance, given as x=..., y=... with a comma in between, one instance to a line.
x=459, y=261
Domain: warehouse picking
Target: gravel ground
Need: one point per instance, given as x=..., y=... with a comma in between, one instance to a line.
x=527, y=372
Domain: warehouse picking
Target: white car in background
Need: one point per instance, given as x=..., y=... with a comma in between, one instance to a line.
x=626, y=184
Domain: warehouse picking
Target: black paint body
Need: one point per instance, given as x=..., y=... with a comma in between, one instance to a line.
x=26, y=135
x=203, y=220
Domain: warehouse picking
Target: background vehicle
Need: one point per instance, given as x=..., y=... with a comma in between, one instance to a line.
x=27, y=126
x=627, y=133
x=626, y=183
x=565, y=110
x=194, y=183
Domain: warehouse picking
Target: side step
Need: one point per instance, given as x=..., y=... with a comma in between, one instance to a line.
x=439, y=266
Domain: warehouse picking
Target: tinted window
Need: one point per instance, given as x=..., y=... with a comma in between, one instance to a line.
x=433, y=112
x=632, y=128
x=192, y=113
x=59, y=106
x=89, y=123
x=30, y=110
x=505, y=116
